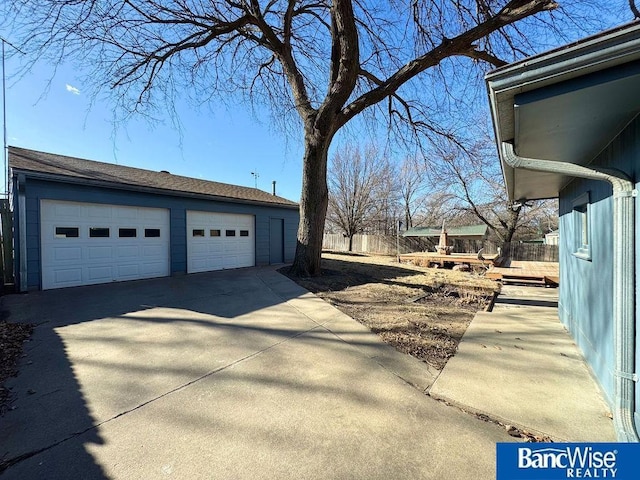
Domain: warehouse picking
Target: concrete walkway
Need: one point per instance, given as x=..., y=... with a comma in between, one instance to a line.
x=230, y=375
x=519, y=365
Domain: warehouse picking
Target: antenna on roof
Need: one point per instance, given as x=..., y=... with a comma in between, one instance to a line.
x=5, y=154
x=255, y=177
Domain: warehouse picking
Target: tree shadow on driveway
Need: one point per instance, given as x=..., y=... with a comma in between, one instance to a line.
x=101, y=352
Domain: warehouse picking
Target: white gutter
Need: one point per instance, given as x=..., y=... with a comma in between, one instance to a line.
x=594, y=54
x=623, y=277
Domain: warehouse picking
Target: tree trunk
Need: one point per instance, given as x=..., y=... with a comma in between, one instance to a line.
x=313, y=206
x=512, y=223
x=351, y=243
x=408, y=221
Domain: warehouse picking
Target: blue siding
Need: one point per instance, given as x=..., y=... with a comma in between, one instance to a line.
x=37, y=190
x=586, y=286
x=178, y=219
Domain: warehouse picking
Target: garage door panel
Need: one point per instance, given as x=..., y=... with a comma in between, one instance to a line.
x=67, y=254
x=231, y=261
x=72, y=257
x=199, y=248
x=99, y=253
x=238, y=261
x=99, y=212
x=152, y=269
x=216, y=263
x=103, y=273
x=199, y=265
x=152, y=251
x=68, y=276
x=128, y=251
x=221, y=246
x=124, y=213
x=152, y=216
x=64, y=211
x=231, y=248
x=216, y=249
x=128, y=271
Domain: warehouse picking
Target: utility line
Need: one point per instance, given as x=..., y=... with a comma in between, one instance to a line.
x=5, y=151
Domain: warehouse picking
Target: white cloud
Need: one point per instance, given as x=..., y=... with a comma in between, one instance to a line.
x=73, y=89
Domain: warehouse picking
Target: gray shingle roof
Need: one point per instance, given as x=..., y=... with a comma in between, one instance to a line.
x=76, y=169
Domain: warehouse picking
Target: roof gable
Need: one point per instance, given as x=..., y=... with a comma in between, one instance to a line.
x=69, y=169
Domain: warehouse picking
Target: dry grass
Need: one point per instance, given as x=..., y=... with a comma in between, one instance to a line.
x=423, y=312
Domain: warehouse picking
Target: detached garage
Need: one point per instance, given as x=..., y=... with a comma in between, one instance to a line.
x=80, y=222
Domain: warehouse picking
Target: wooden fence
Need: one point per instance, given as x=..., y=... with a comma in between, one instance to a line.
x=6, y=250
x=380, y=244
x=386, y=245
x=531, y=252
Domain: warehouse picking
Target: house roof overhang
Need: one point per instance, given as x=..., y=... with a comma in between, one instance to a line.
x=565, y=105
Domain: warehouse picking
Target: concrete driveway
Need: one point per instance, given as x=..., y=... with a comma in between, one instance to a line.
x=235, y=374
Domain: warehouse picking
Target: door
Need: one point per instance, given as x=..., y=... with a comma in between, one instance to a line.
x=276, y=241
x=217, y=241
x=89, y=243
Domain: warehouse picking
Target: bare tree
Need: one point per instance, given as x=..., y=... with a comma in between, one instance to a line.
x=437, y=206
x=357, y=182
x=473, y=178
x=411, y=183
x=385, y=219
x=328, y=61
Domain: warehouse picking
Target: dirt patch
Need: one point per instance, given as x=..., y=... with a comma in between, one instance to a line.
x=420, y=311
x=12, y=338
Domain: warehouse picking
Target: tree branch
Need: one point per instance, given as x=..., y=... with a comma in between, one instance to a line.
x=345, y=62
x=459, y=45
x=485, y=57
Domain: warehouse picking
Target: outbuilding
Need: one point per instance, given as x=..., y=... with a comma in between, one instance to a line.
x=81, y=222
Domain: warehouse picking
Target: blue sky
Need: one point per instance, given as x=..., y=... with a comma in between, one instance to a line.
x=214, y=143
x=51, y=111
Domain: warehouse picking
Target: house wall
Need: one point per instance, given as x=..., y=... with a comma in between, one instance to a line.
x=37, y=190
x=586, y=286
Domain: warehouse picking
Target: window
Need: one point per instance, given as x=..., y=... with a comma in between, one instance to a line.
x=581, y=232
x=99, y=232
x=244, y=233
x=230, y=233
x=151, y=232
x=198, y=232
x=127, y=233
x=214, y=233
x=67, y=232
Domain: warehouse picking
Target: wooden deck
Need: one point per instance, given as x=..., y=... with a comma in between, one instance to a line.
x=536, y=273
x=427, y=259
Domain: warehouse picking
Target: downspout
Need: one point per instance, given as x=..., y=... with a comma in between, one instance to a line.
x=623, y=277
x=22, y=231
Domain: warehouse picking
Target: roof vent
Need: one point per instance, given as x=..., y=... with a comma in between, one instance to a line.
x=165, y=171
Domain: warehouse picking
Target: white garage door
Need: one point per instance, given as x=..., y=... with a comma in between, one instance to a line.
x=87, y=243
x=219, y=240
